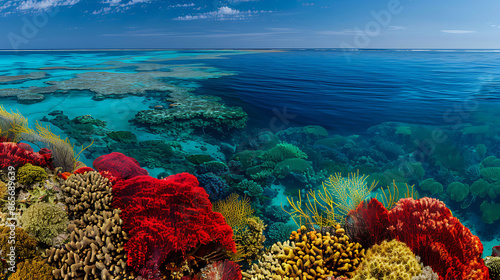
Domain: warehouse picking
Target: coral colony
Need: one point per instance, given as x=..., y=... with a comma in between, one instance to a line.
x=64, y=220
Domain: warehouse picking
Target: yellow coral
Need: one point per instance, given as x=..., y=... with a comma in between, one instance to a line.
x=317, y=255
x=493, y=264
x=12, y=125
x=389, y=260
x=32, y=270
x=319, y=210
x=268, y=265
x=24, y=243
x=348, y=192
x=236, y=211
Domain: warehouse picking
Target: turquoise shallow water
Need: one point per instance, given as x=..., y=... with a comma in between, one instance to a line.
x=384, y=104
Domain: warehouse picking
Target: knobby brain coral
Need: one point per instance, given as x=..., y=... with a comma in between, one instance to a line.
x=167, y=220
x=389, y=260
x=44, y=221
x=29, y=174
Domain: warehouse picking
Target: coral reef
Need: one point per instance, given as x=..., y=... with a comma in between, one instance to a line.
x=169, y=220
x=221, y=270
x=17, y=155
x=32, y=270
x=493, y=264
x=216, y=187
x=29, y=174
x=44, y=221
x=95, y=249
x=188, y=112
x=431, y=186
x=317, y=255
x=250, y=188
x=119, y=165
x=427, y=227
x=389, y=260
x=25, y=244
x=267, y=267
x=281, y=152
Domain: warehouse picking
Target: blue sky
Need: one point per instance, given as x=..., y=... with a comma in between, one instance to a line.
x=56, y=24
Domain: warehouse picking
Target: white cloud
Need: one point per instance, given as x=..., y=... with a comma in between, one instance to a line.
x=223, y=13
x=102, y=11
x=458, y=31
x=45, y=4
x=182, y=5
x=7, y=5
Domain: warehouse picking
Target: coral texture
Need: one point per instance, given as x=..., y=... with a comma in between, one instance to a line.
x=17, y=155
x=267, y=267
x=442, y=242
x=86, y=195
x=389, y=260
x=119, y=165
x=221, y=270
x=493, y=264
x=317, y=255
x=32, y=270
x=44, y=221
x=167, y=219
x=29, y=174
x=24, y=243
x=428, y=228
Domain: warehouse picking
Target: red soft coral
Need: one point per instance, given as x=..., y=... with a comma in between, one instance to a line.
x=431, y=232
x=17, y=155
x=368, y=223
x=119, y=165
x=222, y=270
x=167, y=219
x=83, y=170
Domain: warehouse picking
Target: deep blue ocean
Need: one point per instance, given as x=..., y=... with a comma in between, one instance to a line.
x=322, y=87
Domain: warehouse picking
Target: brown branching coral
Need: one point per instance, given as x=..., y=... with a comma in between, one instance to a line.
x=87, y=194
x=93, y=251
x=95, y=248
x=317, y=256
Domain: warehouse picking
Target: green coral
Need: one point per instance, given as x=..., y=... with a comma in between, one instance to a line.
x=295, y=165
x=389, y=260
x=416, y=169
x=491, y=173
x=431, y=186
x=458, y=191
x=32, y=270
x=493, y=264
x=282, y=152
x=403, y=130
x=481, y=150
x=44, y=221
x=491, y=212
x=480, y=188
x=490, y=161
x=29, y=174
x=24, y=243
x=125, y=137
x=250, y=187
